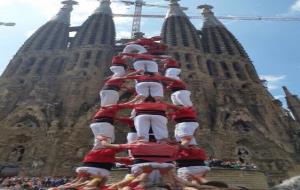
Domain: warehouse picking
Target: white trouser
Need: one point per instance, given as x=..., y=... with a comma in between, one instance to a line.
x=186, y=129
x=109, y=97
x=146, y=89
x=157, y=122
x=182, y=97
x=134, y=48
x=105, y=129
x=185, y=172
x=146, y=65
x=118, y=71
x=131, y=137
x=93, y=171
x=154, y=177
x=173, y=73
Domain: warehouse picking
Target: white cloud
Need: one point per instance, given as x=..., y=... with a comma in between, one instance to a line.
x=273, y=78
x=279, y=97
x=296, y=6
x=273, y=81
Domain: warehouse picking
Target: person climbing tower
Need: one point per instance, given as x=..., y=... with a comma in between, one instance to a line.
x=151, y=152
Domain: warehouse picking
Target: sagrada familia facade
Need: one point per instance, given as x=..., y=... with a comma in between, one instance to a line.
x=49, y=92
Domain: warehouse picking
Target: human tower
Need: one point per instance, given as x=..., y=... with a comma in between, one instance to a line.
x=152, y=156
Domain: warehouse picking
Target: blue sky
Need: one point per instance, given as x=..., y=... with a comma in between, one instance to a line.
x=272, y=46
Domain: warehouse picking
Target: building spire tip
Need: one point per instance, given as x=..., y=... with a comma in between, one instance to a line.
x=205, y=7
x=173, y=1
x=69, y=2
x=286, y=91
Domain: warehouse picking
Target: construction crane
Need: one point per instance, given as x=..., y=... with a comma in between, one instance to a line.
x=7, y=23
x=136, y=24
x=249, y=18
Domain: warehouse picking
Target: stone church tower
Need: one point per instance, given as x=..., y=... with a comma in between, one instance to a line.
x=240, y=119
x=49, y=92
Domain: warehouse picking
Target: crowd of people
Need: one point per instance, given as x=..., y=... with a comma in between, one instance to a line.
x=33, y=183
x=216, y=163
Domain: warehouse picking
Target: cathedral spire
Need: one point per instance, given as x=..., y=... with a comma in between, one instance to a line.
x=98, y=29
x=287, y=92
x=178, y=30
x=65, y=12
x=293, y=103
x=175, y=9
x=216, y=38
x=209, y=18
x=54, y=35
x=104, y=7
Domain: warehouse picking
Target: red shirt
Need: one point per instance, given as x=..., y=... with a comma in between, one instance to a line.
x=114, y=82
x=175, y=85
x=146, y=78
x=140, y=56
x=184, y=113
x=118, y=60
x=109, y=111
x=170, y=63
x=151, y=45
x=125, y=160
x=144, y=42
x=126, y=121
x=105, y=155
x=154, y=152
x=192, y=153
x=157, y=106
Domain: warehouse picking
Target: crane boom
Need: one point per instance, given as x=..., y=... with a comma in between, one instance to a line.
x=136, y=24
x=262, y=18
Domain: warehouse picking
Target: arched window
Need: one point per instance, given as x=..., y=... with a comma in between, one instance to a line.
x=173, y=31
x=215, y=40
x=225, y=69
x=211, y=66
x=239, y=71
x=98, y=58
x=189, y=66
x=188, y=58
x=184, y=35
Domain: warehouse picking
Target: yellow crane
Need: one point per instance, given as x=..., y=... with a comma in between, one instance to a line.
x=136, y=24
x=257, y=18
